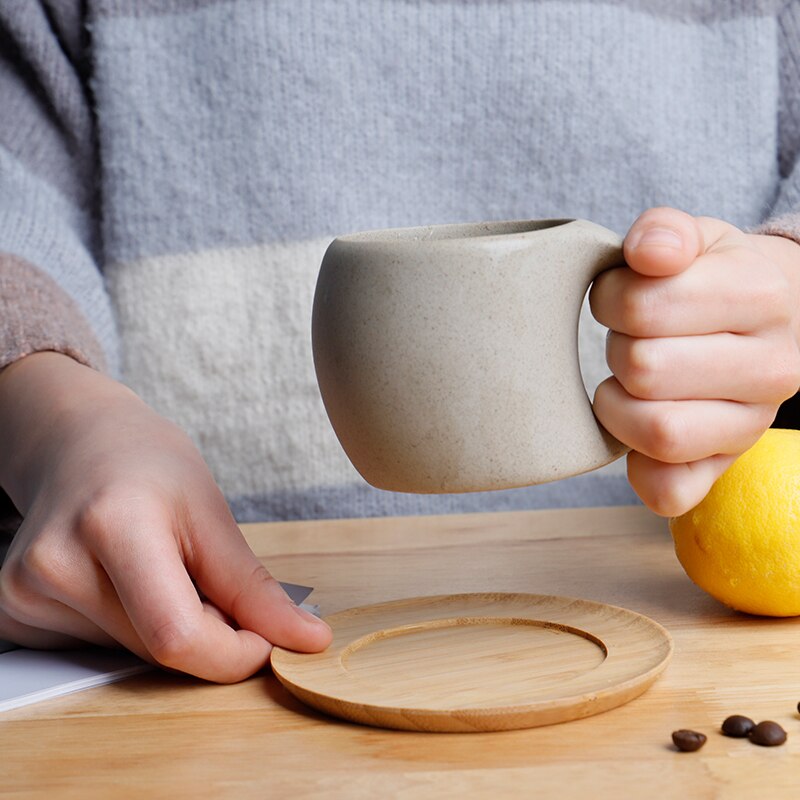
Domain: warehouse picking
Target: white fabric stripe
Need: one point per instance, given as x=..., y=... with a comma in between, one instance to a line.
x=219, y=342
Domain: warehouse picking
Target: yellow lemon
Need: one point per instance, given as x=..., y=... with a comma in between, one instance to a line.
x=741, y=544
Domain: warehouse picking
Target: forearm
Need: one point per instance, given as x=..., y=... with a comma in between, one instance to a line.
x=28, y=392
x=39, y=395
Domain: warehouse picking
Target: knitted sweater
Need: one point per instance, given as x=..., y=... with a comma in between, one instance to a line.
x=171, y=172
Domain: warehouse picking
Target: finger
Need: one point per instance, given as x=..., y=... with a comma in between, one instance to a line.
x=29, y=582
x=93, y=600
x=210, y=608
x=679, y=431
x=66, y=621
x=666, y=241
x=230, y=575
x=167, y=613
x=103, y=608
x=716, y=366
x=673, y=489
x=49, y=583
x=36, y=638
x=718, y=294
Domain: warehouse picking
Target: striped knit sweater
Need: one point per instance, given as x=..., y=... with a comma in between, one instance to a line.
x=171, y=172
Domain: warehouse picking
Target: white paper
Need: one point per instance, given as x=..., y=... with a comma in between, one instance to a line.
x=28, y=676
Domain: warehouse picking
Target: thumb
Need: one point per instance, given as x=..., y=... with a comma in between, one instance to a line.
x=262, y=606
x=664, y=241
x=229, y=574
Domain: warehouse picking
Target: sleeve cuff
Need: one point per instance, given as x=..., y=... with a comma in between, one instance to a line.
x=37, y=314
x=786, y=225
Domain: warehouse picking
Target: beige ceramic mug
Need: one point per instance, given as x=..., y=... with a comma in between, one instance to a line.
x=447, y=356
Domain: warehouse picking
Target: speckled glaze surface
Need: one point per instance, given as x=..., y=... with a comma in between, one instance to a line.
x=447, y=356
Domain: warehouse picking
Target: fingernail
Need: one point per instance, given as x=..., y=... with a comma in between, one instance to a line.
x=657, y=237
x=308, y=616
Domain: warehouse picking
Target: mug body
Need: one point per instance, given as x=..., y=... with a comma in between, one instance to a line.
x=447, y=356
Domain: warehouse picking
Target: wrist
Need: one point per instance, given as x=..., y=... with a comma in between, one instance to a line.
x=783, y=250
x=785, y=254
x=39, y=395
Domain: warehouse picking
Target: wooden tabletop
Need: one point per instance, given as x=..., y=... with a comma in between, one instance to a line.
x=161, y=735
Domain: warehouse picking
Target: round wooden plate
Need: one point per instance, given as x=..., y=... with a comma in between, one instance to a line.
x=477, y=662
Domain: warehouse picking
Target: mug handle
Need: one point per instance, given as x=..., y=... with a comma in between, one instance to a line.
x=604, y=252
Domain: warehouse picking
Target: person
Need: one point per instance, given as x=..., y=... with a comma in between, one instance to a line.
x=170, y=175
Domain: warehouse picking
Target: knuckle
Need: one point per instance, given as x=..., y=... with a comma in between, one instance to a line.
x=667, y=492
x=41, y=565
x=107, y=509
x=639, y=368
x=39, y=569
x=671, y=499
x=783, y=375
x=763, y=418
x=258, y=579
x=667, y=435
x=172, y=643
x=15, y=589
x=638, y=311
x=771, y=296
x=101, y=509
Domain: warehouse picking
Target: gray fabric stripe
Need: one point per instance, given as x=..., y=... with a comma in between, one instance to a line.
x=30, y=131
x=789, y=118
x=365, y=501
x=151, y=8
x=687, y=10
x=66, y=18
x=288, y=121
x=41, y=227
x=46, y=121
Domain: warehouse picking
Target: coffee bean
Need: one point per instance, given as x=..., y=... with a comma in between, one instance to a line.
x=738, y=726
x=688, y=741
x=768, y=734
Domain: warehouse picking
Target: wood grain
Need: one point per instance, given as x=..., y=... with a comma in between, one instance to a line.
x=164, y=735
x=477, y=662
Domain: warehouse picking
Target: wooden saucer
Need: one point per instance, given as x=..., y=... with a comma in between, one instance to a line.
x=477, y=662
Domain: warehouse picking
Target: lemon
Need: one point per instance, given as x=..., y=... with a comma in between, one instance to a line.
x=741, y=544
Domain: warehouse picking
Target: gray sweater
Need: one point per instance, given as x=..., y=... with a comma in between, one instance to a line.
x=171, y=172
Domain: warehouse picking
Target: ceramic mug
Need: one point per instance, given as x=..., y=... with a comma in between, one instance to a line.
x=447, y=356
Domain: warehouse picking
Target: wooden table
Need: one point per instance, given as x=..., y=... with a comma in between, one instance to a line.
x=162, y=735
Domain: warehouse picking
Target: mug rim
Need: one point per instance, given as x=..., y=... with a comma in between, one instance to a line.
x=457, y=232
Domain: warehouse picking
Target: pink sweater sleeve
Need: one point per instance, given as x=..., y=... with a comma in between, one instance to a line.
x=38, y=315
x=787, y=225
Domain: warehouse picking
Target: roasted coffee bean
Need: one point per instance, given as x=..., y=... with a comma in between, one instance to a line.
x=768, y=734
x=688, y=741
x=738, y=726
